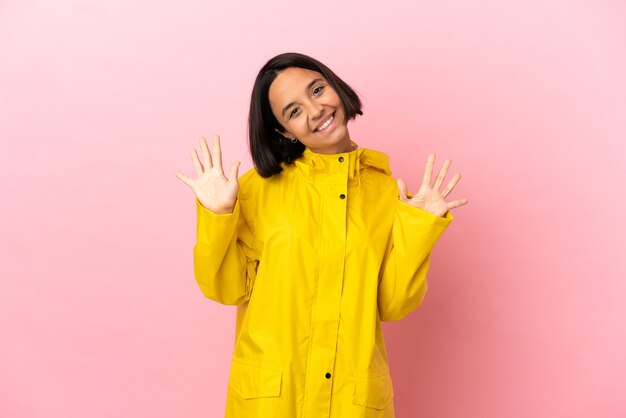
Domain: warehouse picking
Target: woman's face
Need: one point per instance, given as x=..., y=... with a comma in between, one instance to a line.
x=309, y=109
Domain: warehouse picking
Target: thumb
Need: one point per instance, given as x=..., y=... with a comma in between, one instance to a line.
x=402, y=189
x=234, y=171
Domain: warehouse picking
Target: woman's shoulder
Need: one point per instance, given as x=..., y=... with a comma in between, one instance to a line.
x=248, y=181
x=251, y=182
x=249, y=176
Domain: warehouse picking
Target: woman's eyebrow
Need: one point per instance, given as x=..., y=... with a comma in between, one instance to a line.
x=308, y=86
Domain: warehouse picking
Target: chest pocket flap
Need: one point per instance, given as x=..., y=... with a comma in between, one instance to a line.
x=373, y=392
x=255, y=381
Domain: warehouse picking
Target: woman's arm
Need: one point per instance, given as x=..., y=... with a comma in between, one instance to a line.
x=224, y=256
x=418, y=223
x=224, y=260
x=402, y=283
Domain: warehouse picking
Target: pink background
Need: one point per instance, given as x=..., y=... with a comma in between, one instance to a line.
x=101, y=101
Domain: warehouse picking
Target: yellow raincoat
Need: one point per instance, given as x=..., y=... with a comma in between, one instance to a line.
x=315, y=258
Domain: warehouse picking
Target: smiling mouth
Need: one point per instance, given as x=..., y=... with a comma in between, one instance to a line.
x=325, y=124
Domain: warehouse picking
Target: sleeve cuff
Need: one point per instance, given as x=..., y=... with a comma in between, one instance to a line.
x=204, y=212
x=212, y=224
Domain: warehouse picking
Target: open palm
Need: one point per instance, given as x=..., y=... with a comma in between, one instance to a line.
x=430, y=198
x=213, y=189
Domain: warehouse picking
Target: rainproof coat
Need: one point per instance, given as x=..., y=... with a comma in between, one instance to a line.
x=315, y=258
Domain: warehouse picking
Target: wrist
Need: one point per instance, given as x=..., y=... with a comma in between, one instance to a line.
x=222, y=210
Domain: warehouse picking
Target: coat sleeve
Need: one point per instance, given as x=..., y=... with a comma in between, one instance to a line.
x=224, y=258
x=402, y=281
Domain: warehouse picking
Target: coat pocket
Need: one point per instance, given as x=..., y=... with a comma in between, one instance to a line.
x=374, y=392
x=250, y=381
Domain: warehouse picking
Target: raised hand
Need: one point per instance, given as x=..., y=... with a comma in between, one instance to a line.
x=428, y=197
x=214, y=191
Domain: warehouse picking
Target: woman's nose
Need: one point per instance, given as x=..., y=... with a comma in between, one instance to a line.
x=317, y=110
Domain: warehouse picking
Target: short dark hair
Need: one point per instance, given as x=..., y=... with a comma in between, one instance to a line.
x=268, y=148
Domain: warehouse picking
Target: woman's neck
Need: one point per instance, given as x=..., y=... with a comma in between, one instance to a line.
x=344, y=146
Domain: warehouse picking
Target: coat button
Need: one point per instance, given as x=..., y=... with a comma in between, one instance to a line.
x=342, y=196
x=328, y=375
x=340, y=159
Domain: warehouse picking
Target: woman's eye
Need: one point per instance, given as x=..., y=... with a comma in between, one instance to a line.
x=293, y=112
x=320, y=88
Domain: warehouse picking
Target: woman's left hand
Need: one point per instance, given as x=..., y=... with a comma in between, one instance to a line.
x=428, y=197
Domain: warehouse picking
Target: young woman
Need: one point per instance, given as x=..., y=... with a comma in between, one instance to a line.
x=316, y=245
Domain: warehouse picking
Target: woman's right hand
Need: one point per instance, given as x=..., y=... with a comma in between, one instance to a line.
x=214, y=191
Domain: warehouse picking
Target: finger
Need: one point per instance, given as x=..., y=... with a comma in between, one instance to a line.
x=217, y=153
x=428, y=171
x=442, y=174
x=184, y=178
x=234, y=171
x=451, y=185
x=402, y=190
x=206, y=155
x=457, y=203
x=196, y=162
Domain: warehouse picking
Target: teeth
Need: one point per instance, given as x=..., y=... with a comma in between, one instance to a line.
x=330, y=119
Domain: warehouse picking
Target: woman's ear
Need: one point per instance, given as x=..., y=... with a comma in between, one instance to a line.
x=285, y=134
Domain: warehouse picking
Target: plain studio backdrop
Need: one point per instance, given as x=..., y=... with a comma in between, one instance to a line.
x=101, y=102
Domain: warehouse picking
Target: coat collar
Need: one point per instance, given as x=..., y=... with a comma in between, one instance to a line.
x=318, y=165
